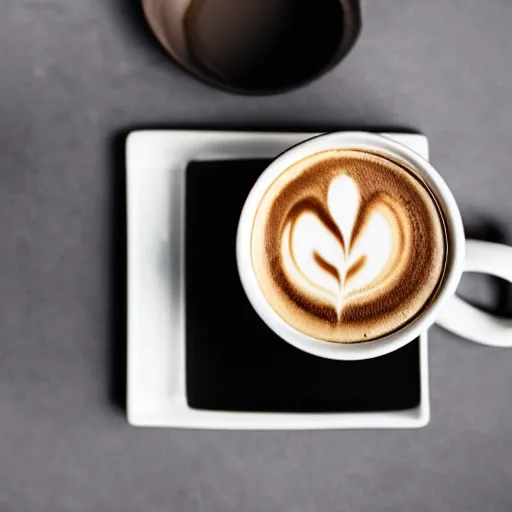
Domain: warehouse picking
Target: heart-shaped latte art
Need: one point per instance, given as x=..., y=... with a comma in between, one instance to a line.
x=342, y=253
x=348, y=245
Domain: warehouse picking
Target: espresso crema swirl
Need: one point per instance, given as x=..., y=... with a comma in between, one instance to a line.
x=348, y=245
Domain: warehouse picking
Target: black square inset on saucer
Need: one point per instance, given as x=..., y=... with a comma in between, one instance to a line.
x=234, y=362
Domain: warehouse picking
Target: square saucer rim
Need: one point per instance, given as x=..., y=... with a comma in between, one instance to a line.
x=156, y=162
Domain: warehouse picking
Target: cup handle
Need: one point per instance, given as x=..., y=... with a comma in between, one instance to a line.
x=468, y=321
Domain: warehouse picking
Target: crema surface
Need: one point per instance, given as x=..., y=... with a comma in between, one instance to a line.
x=348, y=245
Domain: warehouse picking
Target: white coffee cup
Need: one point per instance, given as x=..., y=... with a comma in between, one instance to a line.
x=446, y=309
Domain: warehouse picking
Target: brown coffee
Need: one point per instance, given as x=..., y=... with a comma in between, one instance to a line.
x=348, y=245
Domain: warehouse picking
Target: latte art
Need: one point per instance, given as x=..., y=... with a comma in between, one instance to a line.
x=331, y=259
x=348, y=245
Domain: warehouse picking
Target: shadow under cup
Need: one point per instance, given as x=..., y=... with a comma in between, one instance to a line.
x=255, y=46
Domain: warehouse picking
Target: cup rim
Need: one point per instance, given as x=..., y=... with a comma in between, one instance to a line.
x=352, y=24
x=455, y=241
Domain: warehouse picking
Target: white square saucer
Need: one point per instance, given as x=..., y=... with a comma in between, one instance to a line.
x=157, y=390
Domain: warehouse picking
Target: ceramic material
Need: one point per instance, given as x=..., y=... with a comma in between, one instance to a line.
x=217, y=41
x=482, y=257
x=157, y=394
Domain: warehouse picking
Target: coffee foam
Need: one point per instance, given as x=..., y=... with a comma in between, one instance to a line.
x=348, y=245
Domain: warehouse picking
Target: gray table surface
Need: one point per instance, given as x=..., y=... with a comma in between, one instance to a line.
x=78, y=74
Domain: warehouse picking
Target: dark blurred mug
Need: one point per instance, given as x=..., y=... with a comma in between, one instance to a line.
x=255, y=46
